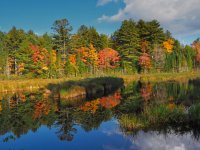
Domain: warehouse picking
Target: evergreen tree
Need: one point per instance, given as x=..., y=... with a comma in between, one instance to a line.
x=126, y=41
x=3, y=53
x=61, y=38
x=13, y=41
x=151, y=32
x=105, y=41
x=61, y=35
x=89, y=35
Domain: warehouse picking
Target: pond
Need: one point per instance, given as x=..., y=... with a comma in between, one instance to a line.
x=138, y=116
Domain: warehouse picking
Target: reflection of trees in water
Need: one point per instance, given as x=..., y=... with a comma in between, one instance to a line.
x=22, y=112
x=91, y=106
x=146, y=91
x=89, y=121
x=17, y=114
x=111, y=101
x=187, y=93
x=171, y=95
x=0, y=106
x=181, y=130
x=108, y=102
x=28, y=111
x=41, y=108
x=65, y=124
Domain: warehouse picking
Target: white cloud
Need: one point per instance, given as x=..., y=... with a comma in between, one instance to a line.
x=181, y=17
x=104, y=2
x=171, y=141
x=153, y=140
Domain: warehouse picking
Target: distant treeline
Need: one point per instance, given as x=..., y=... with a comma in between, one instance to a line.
x=136, y=47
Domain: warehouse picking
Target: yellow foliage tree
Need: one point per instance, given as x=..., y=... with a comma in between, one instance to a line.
x=93, y=56
x=89, y=56
x=168, y=45
x=53, y=56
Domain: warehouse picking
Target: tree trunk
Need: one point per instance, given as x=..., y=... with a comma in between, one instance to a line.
x=15, y=66
x=7, y=69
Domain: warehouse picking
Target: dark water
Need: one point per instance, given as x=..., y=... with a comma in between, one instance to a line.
x=34, y=121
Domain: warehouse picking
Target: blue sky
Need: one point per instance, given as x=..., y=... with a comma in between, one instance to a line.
x=105, y=15
x=39, y=15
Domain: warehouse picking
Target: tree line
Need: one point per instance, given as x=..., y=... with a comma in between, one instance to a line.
x=136, y=47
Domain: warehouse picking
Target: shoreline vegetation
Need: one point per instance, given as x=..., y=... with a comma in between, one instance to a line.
x=10, y=86
x=136, y=47
x=161, y=106
x=138, y=50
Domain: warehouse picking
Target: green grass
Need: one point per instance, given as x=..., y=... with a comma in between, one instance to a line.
x=131, y=122
x=30, y=84
x=194, y=113
x=34, y=84
x=90, y=87
x=162, y=114
x=72, y=92
x=154, y=116
x=183, y=77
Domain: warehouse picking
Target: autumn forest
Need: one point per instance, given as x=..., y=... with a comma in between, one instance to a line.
x=136, y=47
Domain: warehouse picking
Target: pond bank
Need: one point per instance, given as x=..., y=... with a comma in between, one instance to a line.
x=90, y=88
x=157, y=77
x=9, y=86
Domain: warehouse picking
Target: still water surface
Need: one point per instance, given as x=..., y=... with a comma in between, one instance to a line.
x=30, y=121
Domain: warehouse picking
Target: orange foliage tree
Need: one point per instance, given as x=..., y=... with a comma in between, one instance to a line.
x=168, y=45
x=72, y=66
x=72, y=59
x=40, y=57
x=83, y=51
x=110, y=101
x=107, y=102
x=90, y=106
x=42, y=108
x=108, y=58
x=88, y=55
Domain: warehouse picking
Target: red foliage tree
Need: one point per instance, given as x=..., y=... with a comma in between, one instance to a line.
x=198, y=57
x=145, y=61
x=110, y=101
x=41, y=58
x=196, y=46
x=36, y=53
x=108, y=58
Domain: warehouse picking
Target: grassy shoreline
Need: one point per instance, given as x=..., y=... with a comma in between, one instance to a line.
x=158, y=77
x=34, y=84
